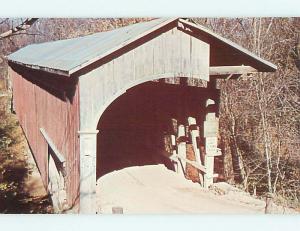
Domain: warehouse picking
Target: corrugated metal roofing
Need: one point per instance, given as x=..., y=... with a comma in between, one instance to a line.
x=66, y=55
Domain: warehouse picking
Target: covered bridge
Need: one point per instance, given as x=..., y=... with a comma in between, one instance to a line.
x=101, y=102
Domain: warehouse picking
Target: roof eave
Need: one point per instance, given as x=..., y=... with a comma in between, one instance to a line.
x=39, y=68
x=265, y=66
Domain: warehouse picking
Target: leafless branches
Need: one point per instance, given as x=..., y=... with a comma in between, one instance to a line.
x=21, y=28
x=260, y=115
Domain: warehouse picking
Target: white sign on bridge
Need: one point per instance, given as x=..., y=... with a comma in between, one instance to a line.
x=211, y=146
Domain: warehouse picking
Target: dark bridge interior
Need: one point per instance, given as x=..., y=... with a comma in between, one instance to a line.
x=133, y=127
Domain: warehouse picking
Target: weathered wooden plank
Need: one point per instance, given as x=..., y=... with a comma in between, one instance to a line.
x=148, y=59
x=159, y=50
x=211, y=140
x=185, y=52
x=193, y=163
x=108, y=78
x=138, y=59
x=169, y=41
x=177, y=58
x=58, y=155
x=200, y=59
x=177, y=163
x=231, y=70
x=182, y=149
x=195, y=135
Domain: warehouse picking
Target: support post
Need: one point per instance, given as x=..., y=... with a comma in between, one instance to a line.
x=181, y=150
x=194, y=130
x=175, y=160
x=88, y=154
x=210, y=131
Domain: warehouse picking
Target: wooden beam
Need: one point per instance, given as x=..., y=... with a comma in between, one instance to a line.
x=193, y=163
x=181, y=150
x=57, y=154
x=231, y=70
x=195, y=135
x=210, y=134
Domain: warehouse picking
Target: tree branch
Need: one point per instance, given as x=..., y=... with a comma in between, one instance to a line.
x=20, y=28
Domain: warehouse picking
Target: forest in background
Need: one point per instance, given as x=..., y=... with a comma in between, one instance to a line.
x=259, y=114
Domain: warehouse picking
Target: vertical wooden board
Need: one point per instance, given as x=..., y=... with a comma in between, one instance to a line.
x=124, y=70
x=73, y=151
x=43, y=118
x=181, y=149
x=52, y=102
x=159, y=51
x=102, y=81
x=105, y=79
x=142, y=62
x=118, y=70
x=95, y=83
x=97, y=89
x=148, y=58
x=170, y=42
x=185, y=53
x=50, y=112
x=32, y=120
x=67, y=118
x=108, y=81
x=200, y=59
x=128, y=68
x=100, y=91
x=139, y=60
x=176, y=58
x=42, y=146
x=91, y=87
x=113, y=82
x=76, y=146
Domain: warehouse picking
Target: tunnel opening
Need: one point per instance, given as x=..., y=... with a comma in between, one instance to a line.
x=134, y=129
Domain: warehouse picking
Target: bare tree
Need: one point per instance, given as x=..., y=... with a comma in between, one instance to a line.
x=21, y=28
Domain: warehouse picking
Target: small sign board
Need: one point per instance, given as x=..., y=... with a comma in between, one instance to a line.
x=211, y=128
x=211, y=144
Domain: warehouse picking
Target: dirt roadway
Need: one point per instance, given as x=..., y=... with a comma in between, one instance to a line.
x=154, y=189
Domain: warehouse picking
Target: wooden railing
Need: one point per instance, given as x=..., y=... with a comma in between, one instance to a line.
x=210, y=136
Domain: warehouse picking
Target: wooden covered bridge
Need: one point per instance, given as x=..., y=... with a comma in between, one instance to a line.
x=94, y=104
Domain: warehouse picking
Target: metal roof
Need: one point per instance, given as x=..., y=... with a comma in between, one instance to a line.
x=68, y=56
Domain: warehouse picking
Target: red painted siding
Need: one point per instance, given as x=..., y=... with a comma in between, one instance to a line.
x=52, y=104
